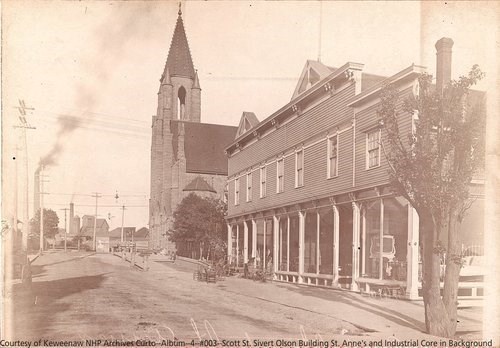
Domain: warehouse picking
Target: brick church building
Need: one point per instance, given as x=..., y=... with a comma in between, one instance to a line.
x=186, y=155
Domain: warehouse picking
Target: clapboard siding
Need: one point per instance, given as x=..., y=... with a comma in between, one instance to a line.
x=329, y=113
x=366, y=119
x=310, y=132
x=316, y=183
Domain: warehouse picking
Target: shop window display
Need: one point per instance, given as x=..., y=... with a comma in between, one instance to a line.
x=283, y=251
x=387, y=221
x=294, y=243
x=326, y=241
x=310, y=241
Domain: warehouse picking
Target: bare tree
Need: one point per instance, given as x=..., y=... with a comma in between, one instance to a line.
x=433, y=167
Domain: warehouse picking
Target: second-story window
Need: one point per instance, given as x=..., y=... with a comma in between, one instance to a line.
x=332, y=169
x=280, y=172
x=299, y=168
x=226, y=194
x=237, y=191
x=263, y=179
x=373, y=149
x=249, y=187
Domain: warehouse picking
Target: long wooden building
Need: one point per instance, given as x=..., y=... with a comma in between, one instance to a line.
x=309, y=194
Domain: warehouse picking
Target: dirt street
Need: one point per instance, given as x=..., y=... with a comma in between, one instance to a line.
x=82, y=296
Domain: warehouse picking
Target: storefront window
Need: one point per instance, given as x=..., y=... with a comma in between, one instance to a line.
x=371, y=222
x=294, y=243
x=269, y=247
x=250, y=239
x=233, y=244
x=241, y=245
x=326, y=241
x=385, y=220
x=259, y=255
x=395, y=238
x=283, y=237
x=310, y=241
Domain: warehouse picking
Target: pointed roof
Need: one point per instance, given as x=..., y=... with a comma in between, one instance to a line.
x=196, y=83
x=198, y=184
x=312, y=73
x=248, y=120
x=179, y=61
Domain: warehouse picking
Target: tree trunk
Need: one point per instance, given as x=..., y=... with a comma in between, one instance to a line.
x=436, y=316
x=452, y=273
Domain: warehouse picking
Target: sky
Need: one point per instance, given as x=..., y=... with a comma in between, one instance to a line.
x=91, y=71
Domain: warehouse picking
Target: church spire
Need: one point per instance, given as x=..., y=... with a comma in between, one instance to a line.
x=179, y=61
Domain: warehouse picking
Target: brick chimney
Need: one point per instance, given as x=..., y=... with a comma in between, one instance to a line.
x=443, y=62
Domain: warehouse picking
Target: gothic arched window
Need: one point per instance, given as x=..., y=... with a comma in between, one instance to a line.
x=181, y=103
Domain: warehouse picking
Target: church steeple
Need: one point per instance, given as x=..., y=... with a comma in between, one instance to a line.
x=179, y=61
x=179, y=97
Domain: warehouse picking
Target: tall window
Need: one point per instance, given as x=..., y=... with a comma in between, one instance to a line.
x=280, y=184
x=249, y=187
x=181, y=104
x=263, y=178
x=237, y=191
x=333, y=151
x=299, y=168
x=226, y=191
x=373, y=149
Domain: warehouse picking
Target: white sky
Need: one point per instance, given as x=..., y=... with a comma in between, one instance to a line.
x=100, y=62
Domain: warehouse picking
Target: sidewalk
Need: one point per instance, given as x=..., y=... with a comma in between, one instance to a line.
x=381, y=317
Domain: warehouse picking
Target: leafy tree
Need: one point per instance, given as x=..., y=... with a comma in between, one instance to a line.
x=433, y=168
x=201, y=220
x=50, y=222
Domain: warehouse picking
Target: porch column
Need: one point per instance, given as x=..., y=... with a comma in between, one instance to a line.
x=276, y=230
x=254, y=241
x=335, y=245
x=355, y=246
x=381, y=239
x=237, y=244
x=302, y=225
x=245, y=242
x=363, y=248
x=317, y=241
x=229, y=244
x=264, y=250
x=288, y=243
x=412, y=254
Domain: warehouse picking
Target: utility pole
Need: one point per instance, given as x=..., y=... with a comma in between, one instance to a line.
x=97, y=195
x=65, y=228
x=42, y=193
x=123, y=217
x=23, y=125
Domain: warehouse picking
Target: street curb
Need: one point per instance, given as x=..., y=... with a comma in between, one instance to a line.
x=36, y=257
x=187, y=259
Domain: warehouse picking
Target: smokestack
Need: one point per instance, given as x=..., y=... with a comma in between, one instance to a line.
x=36, y=193
x=71, y=217
x=443, y=63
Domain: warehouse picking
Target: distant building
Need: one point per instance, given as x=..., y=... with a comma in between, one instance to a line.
x=87, y=229
x=186, y=155
x=309, y=193
x=115, y=235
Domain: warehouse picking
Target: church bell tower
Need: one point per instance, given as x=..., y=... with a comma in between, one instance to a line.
x=179, y=99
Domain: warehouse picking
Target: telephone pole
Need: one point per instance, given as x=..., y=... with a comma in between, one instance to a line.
x=23, y=125
x=97, y=195
x=42, y=193
x=123, y=217
x=65, y=228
